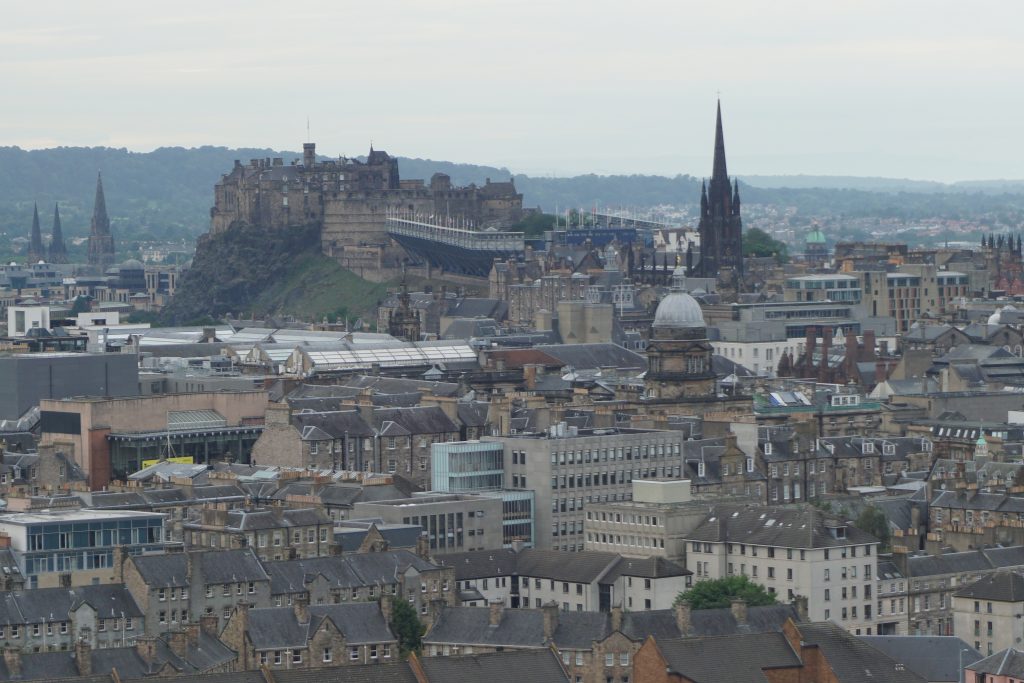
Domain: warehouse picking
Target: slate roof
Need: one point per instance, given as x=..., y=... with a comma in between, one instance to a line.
x=397, y=536
x=1008, y=662
x=479, y=564
x=649, y=567
x=1003, y=586
x=740, y=658
x=933, y=658
x=788, y=527
x=499, y=667
x=397, y=672
x=471, y=625
x=278, y=628
x=593, y=356
x=214, y=566
x=706, y=622
x=40, y=605
x=418, y=420
x=851, y=659
x=344, y=571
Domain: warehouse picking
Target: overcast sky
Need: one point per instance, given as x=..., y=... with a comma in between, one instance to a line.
x=896, y=88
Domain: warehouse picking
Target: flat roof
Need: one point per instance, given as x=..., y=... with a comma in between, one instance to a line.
x=49, y=516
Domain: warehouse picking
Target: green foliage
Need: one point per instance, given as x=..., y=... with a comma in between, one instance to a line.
x=720, y=592
x=873, y=521
x=535, y=224
x=757, y=242
x=142, y=317
x=81, y=305
x=406, y=626
x=257, y=271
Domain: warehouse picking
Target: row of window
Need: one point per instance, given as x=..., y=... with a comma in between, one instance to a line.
x=277, y=657
x=587, y=455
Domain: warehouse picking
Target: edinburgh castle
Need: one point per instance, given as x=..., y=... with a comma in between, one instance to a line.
x=349, y=200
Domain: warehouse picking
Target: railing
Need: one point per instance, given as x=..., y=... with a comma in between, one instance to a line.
x=459, y=237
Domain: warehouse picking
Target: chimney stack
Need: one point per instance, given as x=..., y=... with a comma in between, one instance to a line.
x=683, y=617
x=550, y=620
x=145, y=646
x=496, y=608
x=739, y=611
x=178, y=642
x=385, y=607
x=423, y=547
x=210, y=625
x=12, y=658
x=300, y=605
x=83, y=657
x=616, y=618
x=800, y=603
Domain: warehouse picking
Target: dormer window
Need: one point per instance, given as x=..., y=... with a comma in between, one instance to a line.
x=889, y=449
x=768, y=448
x=867, y=447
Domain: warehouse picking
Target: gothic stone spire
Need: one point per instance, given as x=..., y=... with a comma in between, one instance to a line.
x=719, y=171
x=101, y=241
x=100, y=220
x=58, y=251
x=36, y=250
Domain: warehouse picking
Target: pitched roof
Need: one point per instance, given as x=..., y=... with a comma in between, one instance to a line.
x=1002, y=586
x=851, y=659
x=734, y=658
x=787, y=527
x=1008, y=662
x=933, y=658
x=498, y=667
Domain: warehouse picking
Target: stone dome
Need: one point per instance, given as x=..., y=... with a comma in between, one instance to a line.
x=678, y=309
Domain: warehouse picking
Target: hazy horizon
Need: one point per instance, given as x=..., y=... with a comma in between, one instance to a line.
x=914, y=90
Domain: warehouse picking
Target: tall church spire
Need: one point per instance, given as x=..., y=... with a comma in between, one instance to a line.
x=720, y=227
x=58, y=251
x=101, y=242
x=719, y=171
x=36, y=251
x=100, y=220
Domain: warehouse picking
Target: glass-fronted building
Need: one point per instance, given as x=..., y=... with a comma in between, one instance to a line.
x=68, y=541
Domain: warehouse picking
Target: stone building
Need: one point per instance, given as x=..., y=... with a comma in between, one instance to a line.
x=987, y=612
x=679, y=353
x=350, y=200
x=310, y=637
x=273, y=533
x=178, y=589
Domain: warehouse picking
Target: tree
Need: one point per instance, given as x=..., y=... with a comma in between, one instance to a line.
x=757, y=242
x=81, y=305
x=721, y=592
x=406, y=626
x=873, y=521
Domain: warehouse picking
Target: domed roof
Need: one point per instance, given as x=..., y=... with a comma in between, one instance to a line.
x=815, y=236
x=132, y=264
x=678, y=309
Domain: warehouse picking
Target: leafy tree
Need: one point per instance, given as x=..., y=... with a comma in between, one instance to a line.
x=721, y=592
x=873, y=521
x=406, y=626
x=757, y=242
x=81, y=305
x=534, y=224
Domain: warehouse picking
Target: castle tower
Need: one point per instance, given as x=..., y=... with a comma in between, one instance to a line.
x=720, y=227
x=58, y=250
x=101, y=242
x=36, y=251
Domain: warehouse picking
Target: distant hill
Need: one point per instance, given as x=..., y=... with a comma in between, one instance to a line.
x=167, y=193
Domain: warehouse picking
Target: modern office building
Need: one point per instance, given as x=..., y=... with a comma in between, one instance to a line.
x=77, y=547
x=573, y=468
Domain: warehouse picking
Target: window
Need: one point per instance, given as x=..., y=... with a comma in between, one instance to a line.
x=624, y=659
x=277, y=657
x=296, y=656
x=609, y=659
x=353, y=654
x=263, y=657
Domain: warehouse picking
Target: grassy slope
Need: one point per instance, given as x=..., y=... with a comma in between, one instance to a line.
x=317, y=286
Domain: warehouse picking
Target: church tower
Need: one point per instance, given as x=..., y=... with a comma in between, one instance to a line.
x=58, y=250
x=101, y=242
x=404, y=322
x=720, y=227
x=36, y=251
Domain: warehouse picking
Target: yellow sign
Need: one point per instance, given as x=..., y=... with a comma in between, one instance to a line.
x=183, y=460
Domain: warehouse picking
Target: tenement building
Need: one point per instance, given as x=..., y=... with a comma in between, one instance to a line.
x=792, y=551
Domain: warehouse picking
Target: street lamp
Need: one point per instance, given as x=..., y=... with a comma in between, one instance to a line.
x=960, y=672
